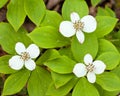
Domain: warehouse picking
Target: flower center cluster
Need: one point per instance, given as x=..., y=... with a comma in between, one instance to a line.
x=78, y=25
x=90, y=67
x=25, y=56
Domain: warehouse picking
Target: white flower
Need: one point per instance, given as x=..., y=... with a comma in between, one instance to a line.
x=90, y=68
x=24, y=57
x=77, y=26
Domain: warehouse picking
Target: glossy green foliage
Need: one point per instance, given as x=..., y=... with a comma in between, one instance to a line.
x=105, y=25
x=117, y=71
x=62, y=91
x=61, y=65
x=3, y=2
x=103, y=92
x=84, y=88
x=38, y=82
x=51, y=18
x=12, y=37
x=105, y=12
x=111, y=59
x=108, y=54
x=35, y=10
x=109, y=81
x=95, y=2
x=4, y=68
x=15, y=13
x=48, y=37
x=70, y=6
x=66, y=51
x=106, y=46
x=86, y=47
x=50, y=54
x=15, y=82
x=61, y=79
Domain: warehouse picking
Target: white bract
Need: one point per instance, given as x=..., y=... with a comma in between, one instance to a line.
x=78, y=26
x=90, y=68
x=24, y=57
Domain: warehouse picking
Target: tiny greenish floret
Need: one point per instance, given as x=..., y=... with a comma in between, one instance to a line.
x=77, y=26
x=24, y=57
x=89, y=68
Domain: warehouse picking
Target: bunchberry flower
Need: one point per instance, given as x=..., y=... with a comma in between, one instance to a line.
x=90, y=68
x=24, y=57
x=78, y=26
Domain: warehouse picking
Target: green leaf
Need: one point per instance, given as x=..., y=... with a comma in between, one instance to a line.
x=106, y=93
x=4, y=67
x=35, y=9
x=48, y=37
x=69, y=94
x=3, y=2
x=52, y=18
x=108, y=81
x=105, y=24
x=12, y=37
x=66, y=51
x=117, y=71
x=15, y=82
x=105, y=12
x=102, y=12
x=106, y=46
x=15, y=13
x=50, y=54
x=95, y=2
x=38, y=82
x=115, y=38
x=61, y=65
x=84, y=88
x=108, y=53
x=111, y=93
x=61, y=79
x=62, y=91
x=86, y=47
x=110, y=11
x=79, y=6
x=111, y=59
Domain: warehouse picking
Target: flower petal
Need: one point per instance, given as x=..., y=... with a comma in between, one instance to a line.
x=91, y=77
x=80, y=36
x=16, y=63
x=90, y=23
x=74, y=17
x=99, y=66
x=88, y=59
x=19, y=47
x=30, y=64
x=67, y=29
x=80, y=70
x=33, y=50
